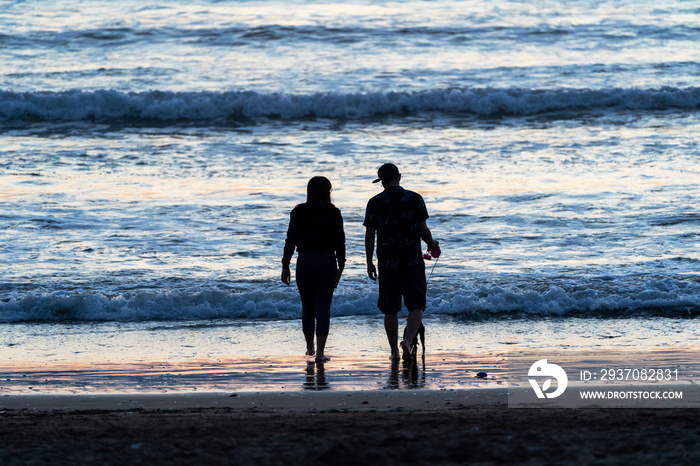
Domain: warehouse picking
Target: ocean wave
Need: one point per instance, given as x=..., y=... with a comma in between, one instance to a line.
x=168, y=107
x=439, y=36
x=666, y=297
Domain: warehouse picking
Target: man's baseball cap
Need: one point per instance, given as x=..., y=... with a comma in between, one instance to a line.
x=387, y=172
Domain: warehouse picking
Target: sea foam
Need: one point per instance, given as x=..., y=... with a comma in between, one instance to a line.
x=666, y=297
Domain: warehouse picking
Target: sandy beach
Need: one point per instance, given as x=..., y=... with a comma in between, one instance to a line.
x=336, y=427
x=352, y=410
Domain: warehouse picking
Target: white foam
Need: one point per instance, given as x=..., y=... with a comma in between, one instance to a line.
x=653, y=297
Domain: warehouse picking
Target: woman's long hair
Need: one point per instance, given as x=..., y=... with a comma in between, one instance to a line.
x=318, y=193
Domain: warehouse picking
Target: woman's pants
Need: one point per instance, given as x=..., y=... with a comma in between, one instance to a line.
x=315, y=273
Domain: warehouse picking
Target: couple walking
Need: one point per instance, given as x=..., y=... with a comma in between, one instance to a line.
x=397, y=218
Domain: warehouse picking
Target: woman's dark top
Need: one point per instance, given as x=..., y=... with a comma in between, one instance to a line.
x=315, y=229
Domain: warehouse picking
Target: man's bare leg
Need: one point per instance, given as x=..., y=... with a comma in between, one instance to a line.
x=415, y=318
x=391, y=325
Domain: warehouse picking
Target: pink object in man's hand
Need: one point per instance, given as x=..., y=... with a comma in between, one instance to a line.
x=434, y=253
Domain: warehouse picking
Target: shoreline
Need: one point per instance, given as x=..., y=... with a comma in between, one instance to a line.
x=264, y=401
x=352, y=373
x=285, y=402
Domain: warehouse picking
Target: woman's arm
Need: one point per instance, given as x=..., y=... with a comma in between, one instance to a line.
x=289, y=246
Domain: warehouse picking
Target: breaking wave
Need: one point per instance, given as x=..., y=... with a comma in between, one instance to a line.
x=663, y=297
x=166, y=107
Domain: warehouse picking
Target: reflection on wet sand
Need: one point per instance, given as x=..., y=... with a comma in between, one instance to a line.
x=411, y=375
x=316, y=376
x=402, y=374
x=438, y=371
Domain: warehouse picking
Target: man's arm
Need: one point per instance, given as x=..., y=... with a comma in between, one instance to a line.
x=369, y=252
x=427, y=236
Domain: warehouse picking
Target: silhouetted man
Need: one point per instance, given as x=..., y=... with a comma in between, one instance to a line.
x=398, y=216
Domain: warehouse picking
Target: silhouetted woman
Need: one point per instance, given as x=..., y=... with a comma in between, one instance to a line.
x=316, y=231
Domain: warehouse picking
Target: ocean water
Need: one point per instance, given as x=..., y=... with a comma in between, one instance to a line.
x=150, y=154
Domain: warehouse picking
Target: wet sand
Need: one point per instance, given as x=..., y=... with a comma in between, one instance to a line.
x=353, y=410
x=336, y=427
x=289, y=372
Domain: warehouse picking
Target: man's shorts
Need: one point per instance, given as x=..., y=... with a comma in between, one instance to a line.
x=408, y=282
